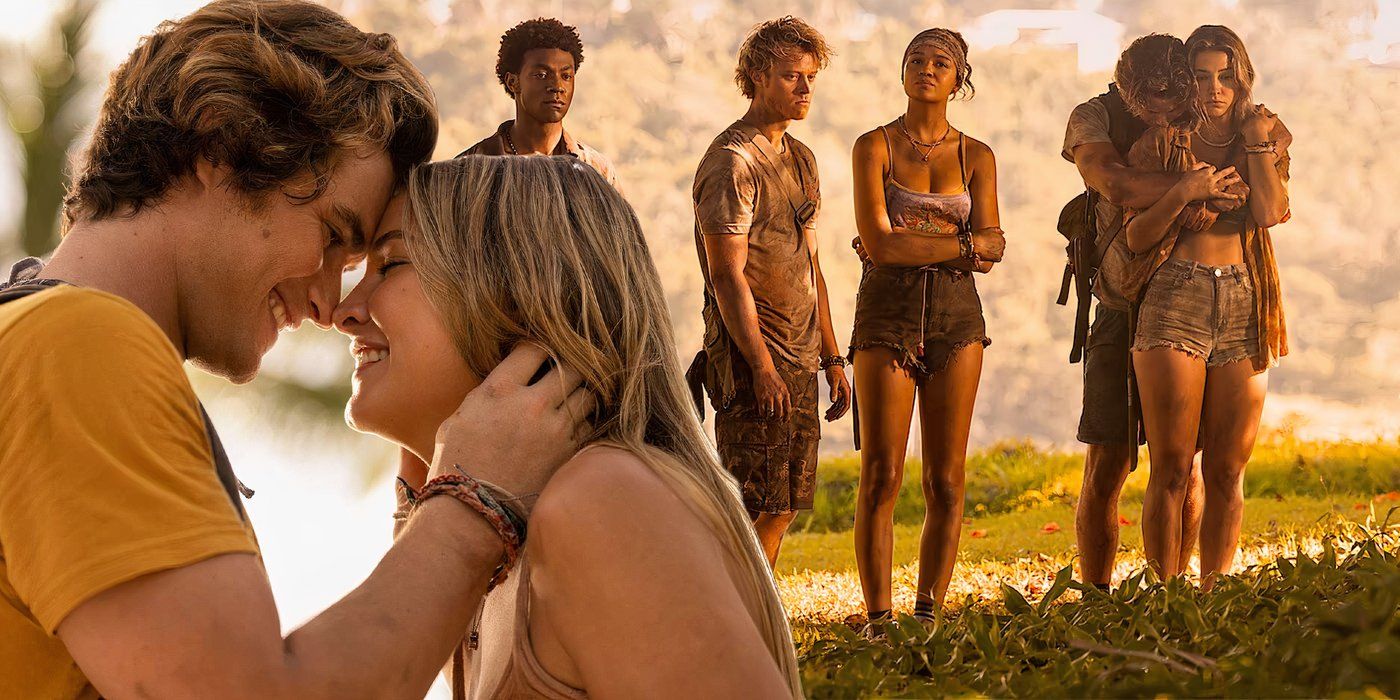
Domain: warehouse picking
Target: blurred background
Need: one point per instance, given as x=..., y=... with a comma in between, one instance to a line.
x=657, y=85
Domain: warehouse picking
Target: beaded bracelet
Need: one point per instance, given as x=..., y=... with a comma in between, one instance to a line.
x=1261, y=148
x=480, y=498
x=966, y=249
x=964, y=244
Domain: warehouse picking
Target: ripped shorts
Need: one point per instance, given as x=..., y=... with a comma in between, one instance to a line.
x=1203, y=311
x=927, y=314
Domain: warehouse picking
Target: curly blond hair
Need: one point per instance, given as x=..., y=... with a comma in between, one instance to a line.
x=774, y=40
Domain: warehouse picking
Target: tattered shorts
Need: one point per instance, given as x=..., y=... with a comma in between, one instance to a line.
x=1203, y=311
x=926, y=314
x=775, y=461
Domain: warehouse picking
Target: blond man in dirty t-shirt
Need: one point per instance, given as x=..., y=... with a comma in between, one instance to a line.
x=767, y=324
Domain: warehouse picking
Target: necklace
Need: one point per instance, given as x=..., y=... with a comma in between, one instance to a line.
x=510, y=144
x=917, y=144
x=1201, y=133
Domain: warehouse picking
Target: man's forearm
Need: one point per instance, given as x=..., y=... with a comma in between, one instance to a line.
x=1150, y=226
x=1130, y=187
x=824, y=324
x=391, y=635
x=740, y=315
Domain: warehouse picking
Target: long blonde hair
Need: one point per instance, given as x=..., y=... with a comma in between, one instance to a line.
x=542, y=248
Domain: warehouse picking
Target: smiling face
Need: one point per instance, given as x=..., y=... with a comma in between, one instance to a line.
x=930, y=74
x=251, y=272
x=409, y=376
x=1216, y=82
x=786, y=86
x=544, y=87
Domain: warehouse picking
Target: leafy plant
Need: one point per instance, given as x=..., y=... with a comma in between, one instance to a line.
x=1303, y=626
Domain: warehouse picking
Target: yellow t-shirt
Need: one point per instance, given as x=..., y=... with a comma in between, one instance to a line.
x=106, y=473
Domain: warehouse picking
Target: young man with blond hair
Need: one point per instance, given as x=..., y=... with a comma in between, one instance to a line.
x=767, y=322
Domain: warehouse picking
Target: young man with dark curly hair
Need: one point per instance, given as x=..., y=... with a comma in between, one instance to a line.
x=538, y=65
x=767, y=321
x=240, y=157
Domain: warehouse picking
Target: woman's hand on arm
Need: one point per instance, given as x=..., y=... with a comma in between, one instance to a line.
x=1147, y=227
x=988, y=240
x=638, y=589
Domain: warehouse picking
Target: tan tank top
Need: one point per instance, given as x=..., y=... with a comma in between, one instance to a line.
x=513, y=670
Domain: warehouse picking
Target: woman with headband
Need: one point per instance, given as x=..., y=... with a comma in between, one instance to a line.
x=926, y=211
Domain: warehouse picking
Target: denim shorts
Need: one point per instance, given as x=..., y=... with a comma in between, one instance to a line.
x=1203, y=311
x=926, y=314
x=1103, y=420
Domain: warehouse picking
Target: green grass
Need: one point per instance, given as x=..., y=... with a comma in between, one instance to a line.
x=1017, y=476
x=1313, y=612
x=1022, y=533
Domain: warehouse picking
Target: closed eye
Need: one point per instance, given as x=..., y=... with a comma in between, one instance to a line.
x=389, y=265
x=334, y=238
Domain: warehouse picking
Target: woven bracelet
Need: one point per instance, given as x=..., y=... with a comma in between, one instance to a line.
x=1261, y=148
x=507, y=524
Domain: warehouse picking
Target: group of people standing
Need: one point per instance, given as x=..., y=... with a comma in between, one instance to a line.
x=511, y=336
x=1184, y=176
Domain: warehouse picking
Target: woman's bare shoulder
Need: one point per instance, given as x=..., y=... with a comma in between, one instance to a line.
x=870, y=144
x=978, y=152
x=603, y=487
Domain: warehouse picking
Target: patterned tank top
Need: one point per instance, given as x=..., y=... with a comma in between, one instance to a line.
x=927, y=211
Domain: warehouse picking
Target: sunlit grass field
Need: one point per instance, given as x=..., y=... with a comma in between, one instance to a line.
x=1287, y=625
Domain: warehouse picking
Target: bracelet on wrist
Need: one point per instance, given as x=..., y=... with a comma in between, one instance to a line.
x=483, y=499
x=967, y=248
x=829, y=361
x=1261, y=147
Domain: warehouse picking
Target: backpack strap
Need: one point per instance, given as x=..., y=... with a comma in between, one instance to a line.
x=23, y=282
x=803, y=209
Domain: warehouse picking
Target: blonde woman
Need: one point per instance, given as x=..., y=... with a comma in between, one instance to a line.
x=641, y=575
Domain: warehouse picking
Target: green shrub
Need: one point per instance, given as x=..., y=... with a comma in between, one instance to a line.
x=1016, y=476
x=1296, y=627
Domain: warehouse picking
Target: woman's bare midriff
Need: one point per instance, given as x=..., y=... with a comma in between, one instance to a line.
x=1220, y=244
x=1216, y=246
